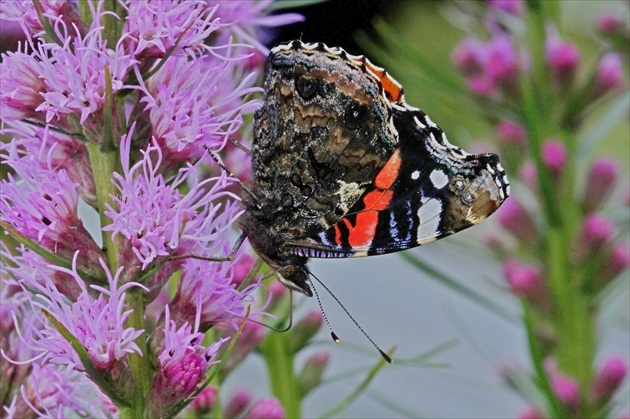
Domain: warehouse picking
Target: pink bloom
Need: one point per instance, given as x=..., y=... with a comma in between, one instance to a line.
x=609, y=378
x=266, y=409
x=501, y=62
x=600, y=182
x=554, y=155
x=153, y=27
x=466, y=55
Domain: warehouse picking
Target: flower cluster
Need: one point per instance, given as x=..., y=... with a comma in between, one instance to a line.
x=563, y=249
x=111, y=108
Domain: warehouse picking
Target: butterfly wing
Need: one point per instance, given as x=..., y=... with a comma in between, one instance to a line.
x=428, y=189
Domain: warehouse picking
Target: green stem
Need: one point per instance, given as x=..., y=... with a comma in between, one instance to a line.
x=276, y=350
x=138, y=363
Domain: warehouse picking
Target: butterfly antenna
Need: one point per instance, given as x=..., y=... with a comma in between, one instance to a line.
x=335, y=338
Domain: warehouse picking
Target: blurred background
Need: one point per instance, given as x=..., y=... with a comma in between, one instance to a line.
x=468, y=344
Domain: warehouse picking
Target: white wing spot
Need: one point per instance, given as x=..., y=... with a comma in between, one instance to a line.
x=415, y=175
x=439, y=179
x=429, y=215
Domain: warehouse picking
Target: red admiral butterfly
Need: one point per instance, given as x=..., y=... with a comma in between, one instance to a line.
x=344, y=167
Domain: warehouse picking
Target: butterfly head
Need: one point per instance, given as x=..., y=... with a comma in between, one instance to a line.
x=295, y=277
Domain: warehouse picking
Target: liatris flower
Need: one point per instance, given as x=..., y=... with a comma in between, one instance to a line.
x=205, y=401
x=119, y=110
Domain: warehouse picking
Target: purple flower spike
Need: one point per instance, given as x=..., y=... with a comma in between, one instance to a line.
x=609, y=378
x=266, y=409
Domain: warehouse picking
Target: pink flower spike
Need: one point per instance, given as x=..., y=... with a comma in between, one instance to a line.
x=566, y=389
x=511, y=132
x=266, y=409
x=609, y=378
x=515, y=218
x=610, y=74
x=600, y=182
x=554, y=155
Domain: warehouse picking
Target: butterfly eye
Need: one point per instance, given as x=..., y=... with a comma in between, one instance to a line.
x=355, y=115
x=306, y=87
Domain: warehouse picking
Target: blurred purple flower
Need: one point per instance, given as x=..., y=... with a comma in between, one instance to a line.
x=513, y=7
x=237, y=404
x=511, y=132
x=563, y=58
x=610, y=74
x=609, y=378
x=266, y=409
x=554, y=156
x=205, y=400
x=566, y=389
x=517, y=220
x=601, y=180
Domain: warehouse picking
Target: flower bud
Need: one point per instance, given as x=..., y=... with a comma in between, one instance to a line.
x=566, y=389
x=610, y=75
x=465, y=56
x=597, y=231
x=305, y=329
x=601, y=181
x=511, y=132
x=563, y=59
x=554, y=155
x=529, y=176
x=531, y=412
x=608, y=24
x=515, y=218
x=525, y=281
x=266, y=409
x=608, y=379
x=513, y=7
x=618, y=261
x=311, y=375
x=205, y=400
x=237, y=404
